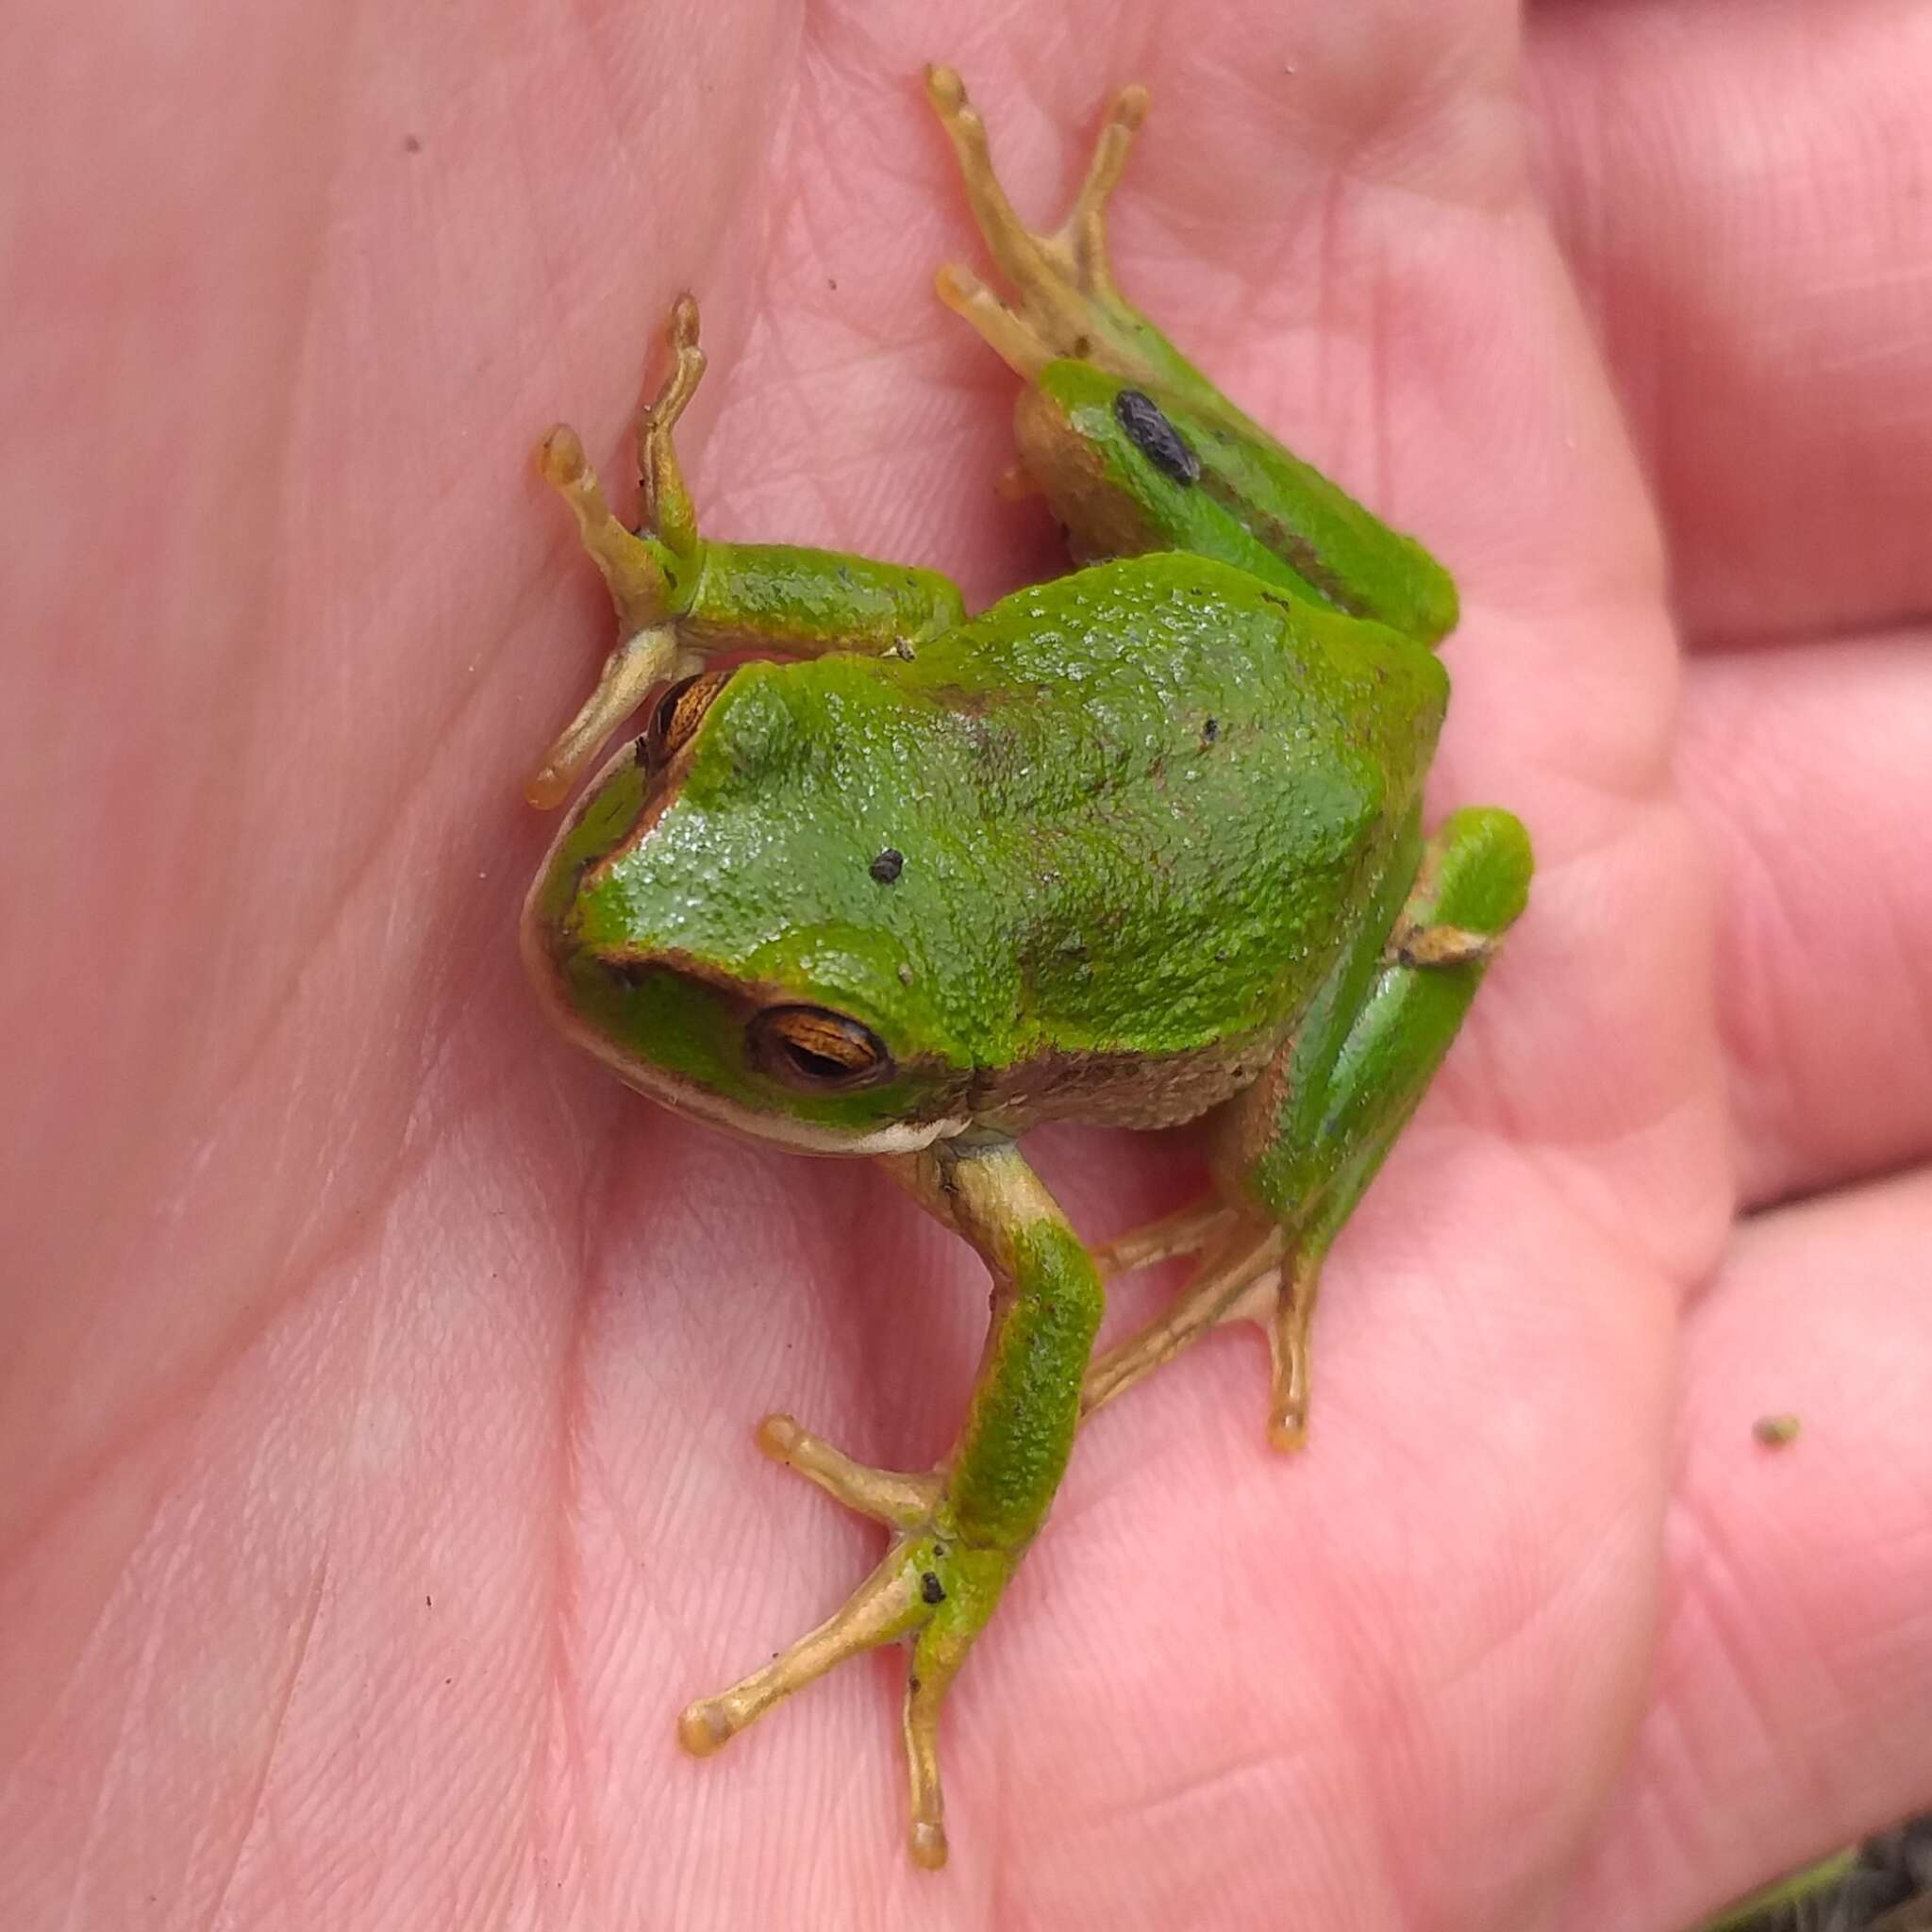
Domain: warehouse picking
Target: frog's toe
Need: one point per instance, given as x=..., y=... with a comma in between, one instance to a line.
x=1245, y=1275
x=887, y=1495
x=1066, y=304
x=933, y=1588
x=1283, y=1303
x=886, y=1606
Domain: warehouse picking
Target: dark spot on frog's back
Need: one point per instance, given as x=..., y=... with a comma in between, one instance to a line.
x=1155, y=436
x=887, y=867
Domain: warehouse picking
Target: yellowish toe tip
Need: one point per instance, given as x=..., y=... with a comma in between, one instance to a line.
x=704, y=1729
x=561, y=456
x=546, y=788
x=1130, y=107
x=956, y=286
x=928, y=1842
x=777, y=1436
x=944, y=89
x=1287, y=1432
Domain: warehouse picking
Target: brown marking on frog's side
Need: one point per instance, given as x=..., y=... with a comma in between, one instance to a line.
x=1290, y=545
x=1127, y=1089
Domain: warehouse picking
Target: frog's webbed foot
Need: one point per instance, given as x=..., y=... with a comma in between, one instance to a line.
x=932, y=1588
x=636, y=566
x=1067, y=303
x=1245, y=1274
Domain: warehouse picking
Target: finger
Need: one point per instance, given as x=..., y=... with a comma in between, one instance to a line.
x=1792, y=1694
x=1810, y=769
x=1742, y=211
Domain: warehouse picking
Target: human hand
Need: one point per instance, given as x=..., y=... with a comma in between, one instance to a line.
x=377, y=1398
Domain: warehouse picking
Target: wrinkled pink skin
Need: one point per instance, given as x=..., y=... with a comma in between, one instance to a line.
x=378, y=1375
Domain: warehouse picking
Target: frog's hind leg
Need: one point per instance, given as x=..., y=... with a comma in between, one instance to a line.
x=1067, y=303
x=1299, y=1149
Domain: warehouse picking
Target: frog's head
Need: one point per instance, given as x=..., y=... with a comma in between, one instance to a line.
x=723, y=917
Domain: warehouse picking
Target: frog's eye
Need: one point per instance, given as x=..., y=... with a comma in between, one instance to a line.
x=816, y=1051
x=675, y=715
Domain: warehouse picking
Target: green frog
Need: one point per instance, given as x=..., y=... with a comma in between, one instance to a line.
x=1139, y=845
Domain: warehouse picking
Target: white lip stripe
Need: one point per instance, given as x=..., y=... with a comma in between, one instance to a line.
x=698, y=1103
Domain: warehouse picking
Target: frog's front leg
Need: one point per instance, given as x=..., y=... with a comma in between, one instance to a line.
x=1297, y=1151
x=681, y=599
x=960, y=1531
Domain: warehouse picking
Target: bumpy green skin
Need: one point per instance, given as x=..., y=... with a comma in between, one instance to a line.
x=1371, y=1041
x=1019, y=1430
x=1137, y=809
x=784, y=597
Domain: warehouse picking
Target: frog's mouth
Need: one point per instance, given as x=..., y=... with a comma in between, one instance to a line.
x=707, y=1040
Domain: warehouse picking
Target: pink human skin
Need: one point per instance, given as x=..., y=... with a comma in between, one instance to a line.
x=375, y=1371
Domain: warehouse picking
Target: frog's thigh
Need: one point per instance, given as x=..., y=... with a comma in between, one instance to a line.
x=1297, y=1151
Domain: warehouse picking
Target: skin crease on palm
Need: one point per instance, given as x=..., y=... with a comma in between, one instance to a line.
x=379, y=1380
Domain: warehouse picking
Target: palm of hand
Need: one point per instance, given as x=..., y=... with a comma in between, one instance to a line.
x=383, y=1476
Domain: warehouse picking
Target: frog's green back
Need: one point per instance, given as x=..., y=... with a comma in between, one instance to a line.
x=1132, y=808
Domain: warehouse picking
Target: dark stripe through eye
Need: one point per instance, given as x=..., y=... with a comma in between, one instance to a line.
x=1155, y=436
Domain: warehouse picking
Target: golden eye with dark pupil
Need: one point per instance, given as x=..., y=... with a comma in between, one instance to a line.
x=675, y=715
x=818, y=1051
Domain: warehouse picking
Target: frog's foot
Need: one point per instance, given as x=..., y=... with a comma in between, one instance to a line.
x=1246, y=1273
x=1068, y=305
x=933, y=1589
x=638, y=566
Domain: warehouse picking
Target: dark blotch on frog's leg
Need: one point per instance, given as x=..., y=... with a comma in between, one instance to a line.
x=1155, y=436
x=887, y=866
x=1210, y=730
x=931, y=1589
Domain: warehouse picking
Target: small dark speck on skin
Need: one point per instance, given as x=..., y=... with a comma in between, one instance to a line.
x=912, y=1684
x=425, y=1603
x=832, y=283
x=1210, y=731
x=1155, y=436
x=931, y=1589
x=887, y=867
x=411, y=145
